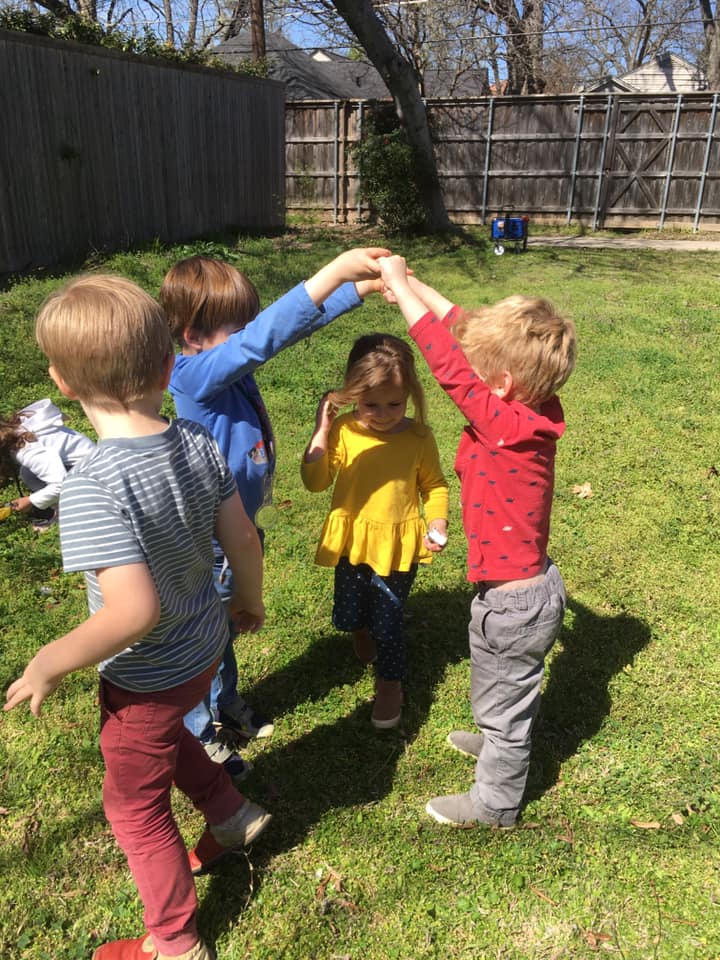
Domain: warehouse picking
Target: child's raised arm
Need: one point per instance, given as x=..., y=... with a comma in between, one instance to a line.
x=395, y=278
x=435, y=302
x=351, y=266
x=414, y=297
x=324, y=419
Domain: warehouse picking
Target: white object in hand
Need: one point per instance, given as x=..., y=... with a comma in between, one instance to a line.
x=439, y=538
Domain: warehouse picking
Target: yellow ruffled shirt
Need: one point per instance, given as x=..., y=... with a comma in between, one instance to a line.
x=380, y=481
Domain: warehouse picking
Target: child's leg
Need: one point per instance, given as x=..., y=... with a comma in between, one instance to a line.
x=142, y=738
x=225, y=702
x=387, y=605
x=511, y=633
x=199, y=720
x=350, y=607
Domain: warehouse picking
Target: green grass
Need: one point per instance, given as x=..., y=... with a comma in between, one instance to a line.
x=618, y=852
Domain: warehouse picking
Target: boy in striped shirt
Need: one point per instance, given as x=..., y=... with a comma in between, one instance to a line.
x=138, y=516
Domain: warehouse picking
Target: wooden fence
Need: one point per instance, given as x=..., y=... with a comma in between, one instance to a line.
x=601, y=160
x=101, y=150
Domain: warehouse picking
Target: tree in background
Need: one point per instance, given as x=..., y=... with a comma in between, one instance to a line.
x=711, y=53
x=616, y=38
x=527, y=46
x=402, y=83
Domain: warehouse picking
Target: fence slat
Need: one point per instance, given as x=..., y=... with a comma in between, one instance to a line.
x=605, y=160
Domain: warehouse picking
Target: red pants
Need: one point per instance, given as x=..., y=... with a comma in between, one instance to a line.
x=146, y=747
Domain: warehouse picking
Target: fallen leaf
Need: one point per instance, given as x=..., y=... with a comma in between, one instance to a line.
x=678, y=818
x=646, y=824
x=712, y=472
x=583, y=490
x=593, y=939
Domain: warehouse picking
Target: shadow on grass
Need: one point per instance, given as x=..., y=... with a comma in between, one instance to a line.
x=340, y=764
x=576, y=699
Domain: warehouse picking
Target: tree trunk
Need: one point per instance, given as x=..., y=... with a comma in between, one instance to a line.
x=257, y=29
x=712, y=45
x=403, y=86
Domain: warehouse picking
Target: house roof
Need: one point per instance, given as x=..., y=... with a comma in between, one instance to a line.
x=664, y=73
x=323, y=75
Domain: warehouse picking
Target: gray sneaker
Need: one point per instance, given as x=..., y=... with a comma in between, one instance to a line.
x=236, y=767
x=458, y=810
x=466, y=743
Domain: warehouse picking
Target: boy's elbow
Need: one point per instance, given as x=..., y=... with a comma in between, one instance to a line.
x=147, y=616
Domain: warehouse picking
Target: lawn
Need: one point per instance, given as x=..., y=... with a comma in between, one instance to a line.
x=618, y=849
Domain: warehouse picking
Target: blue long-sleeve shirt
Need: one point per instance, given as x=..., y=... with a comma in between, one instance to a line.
x=217, y=388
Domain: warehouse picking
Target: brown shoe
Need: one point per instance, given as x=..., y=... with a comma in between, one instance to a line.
x=387, y=708
x=143, y=948
x=236, y=832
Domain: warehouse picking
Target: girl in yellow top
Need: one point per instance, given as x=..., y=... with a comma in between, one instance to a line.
x=383, y=464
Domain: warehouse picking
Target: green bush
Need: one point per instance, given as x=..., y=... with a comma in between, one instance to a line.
x=82, y=30
x=391, y=181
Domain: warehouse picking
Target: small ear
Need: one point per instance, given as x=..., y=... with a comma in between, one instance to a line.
x=193, y=338
x=60, y=384
x=503, y=385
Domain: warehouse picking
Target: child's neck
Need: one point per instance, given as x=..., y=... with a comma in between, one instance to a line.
x=141, y=418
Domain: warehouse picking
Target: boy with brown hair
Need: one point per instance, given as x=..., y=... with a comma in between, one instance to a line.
x=138, y=516
x=215, y=318
x=502, y=366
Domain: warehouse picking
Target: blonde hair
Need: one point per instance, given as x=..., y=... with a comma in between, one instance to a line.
x=107, y=338
x=206, y=294
x=376, y=359
x=525, y=336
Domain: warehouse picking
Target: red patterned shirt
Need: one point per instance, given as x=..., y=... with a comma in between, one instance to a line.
x=505, y=462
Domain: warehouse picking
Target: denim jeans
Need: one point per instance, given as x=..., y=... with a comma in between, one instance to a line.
x=511, y=633
x=223, y=689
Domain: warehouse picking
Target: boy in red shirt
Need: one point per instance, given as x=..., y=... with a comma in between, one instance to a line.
x=502, y=366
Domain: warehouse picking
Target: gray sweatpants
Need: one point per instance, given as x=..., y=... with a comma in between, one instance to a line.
x=511, y=632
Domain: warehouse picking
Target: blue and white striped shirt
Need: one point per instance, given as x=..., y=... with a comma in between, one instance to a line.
x=153, y=500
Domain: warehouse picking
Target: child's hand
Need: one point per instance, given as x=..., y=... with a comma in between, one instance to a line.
x=366, y=287
x=245, y=620
x=34, y=685
x=394, y=272
x=438, y=528
x=360, y=264
x=325, y=415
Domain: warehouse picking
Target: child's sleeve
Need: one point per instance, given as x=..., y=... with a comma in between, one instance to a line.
x=95, y=532
x=286, y=321
x=44, y=465
x=431, y=481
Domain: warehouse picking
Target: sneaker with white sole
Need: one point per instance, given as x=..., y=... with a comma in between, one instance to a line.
x=458, y=810
x=469, y=744
x=236, y=767
x=245, y=720
x=142, y=948
x=237, y=831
